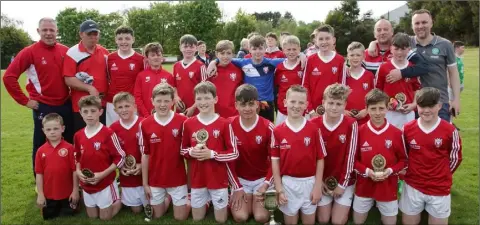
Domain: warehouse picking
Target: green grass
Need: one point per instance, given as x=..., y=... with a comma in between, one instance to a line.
x=18, y=195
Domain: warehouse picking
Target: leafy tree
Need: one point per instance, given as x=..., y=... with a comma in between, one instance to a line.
x=269, y=16
x=13, y=39
x=263, y=27
x=241, y=25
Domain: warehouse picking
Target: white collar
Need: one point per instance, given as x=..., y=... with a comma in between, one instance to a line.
x=248, y=129
x=170, y=118
x=206, y=123
x=95, y=132
x=297, y=129
x=424, y=129
x=129, y=125
x=377, y=132
x=331, y=128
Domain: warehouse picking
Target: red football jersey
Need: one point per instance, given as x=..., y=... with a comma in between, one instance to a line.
x=297, y=149
x=145, y=82
x=387, y=141
x=284, y=78
x=407, y=86
x=275, y=54
x=161, y=142
x=253, y=145
x=186, y=78
x=372, y=63
x=57, y=165
x=228, y=79
x=433, y=156
x=128, y=138
x=212, y=173
x=122, y=73
x=341, y=144
x=97, y=152
x=319, y=73
x=360, y=85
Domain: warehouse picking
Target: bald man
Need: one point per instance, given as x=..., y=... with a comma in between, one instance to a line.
x=383, y=32
x=47, y=91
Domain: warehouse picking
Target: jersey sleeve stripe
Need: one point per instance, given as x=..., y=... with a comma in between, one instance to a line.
x=140, y=139
x=455, y=150
x=232, y=180
x=117, y=145
x=234, y=154
x=351, y=154
x=322, y=145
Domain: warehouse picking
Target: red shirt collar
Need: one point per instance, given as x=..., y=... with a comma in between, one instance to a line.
x=381, y=127
x=59, y=144
x=40, y=42
x=154, y=71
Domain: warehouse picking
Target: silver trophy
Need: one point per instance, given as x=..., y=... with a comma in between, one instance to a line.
x=271, y=205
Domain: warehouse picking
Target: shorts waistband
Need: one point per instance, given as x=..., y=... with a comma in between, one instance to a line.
x=298, y=178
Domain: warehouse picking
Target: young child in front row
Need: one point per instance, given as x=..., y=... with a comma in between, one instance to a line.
x=126, y=130
x=253, y=135
x=378, y=137
x=297, y=161
x=97, y=149
x=434, y=154
x=208, y=161
x=340, y=135
x=163, y=168
x=56, y=179
x=360, y=81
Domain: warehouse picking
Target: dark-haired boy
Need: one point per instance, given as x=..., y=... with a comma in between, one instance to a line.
x=273, y=51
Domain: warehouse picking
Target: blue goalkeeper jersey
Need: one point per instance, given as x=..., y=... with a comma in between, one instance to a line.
x=260, y=75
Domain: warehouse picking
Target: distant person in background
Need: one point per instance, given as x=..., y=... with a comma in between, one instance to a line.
x=243, y=48
x=282, y=36
x=202, y=50
x=273, y=51
x=313, y=49
x=249, y=55
x=459, y=48
x=11, y=59
x=309, y=45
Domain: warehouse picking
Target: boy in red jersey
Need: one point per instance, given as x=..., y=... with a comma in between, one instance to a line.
x=322, y=69
x=272, y=50
x=208, y=143
x=376, y=139
x=435, y=152
x=340, y=135
x=227, y=79
x=288, y=73
x=188, y=72
x=402, y=103
x=123, y=67
x=151, y=76
x=253, y=135
x=163, y=168
x=297, y=160
x=57, y=183
x=360, y=81
x=99, y=153
x=126, y=130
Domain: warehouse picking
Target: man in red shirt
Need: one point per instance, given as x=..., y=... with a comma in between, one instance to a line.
x=123, y=68
x=85, y=70
x=47, y=91
x=434, y=152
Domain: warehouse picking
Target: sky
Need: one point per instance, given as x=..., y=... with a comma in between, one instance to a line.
x=306, y=11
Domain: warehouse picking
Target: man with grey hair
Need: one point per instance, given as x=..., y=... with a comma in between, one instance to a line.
x=243, y=48
x=47, y=92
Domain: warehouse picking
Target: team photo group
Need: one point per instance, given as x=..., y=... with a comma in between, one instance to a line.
x=328, y=136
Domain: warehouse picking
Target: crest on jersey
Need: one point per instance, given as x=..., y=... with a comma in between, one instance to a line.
x=265, y=69
x=438, y=142
x=300, y=74
x=216, y=133
x=334, y=69
x=258, y=139
x=388, y=143
x=190, y=74
x=132, y=66
x=96, y=145
x=44, y=62
x=175, y=132
x=163, y=80
x=147, y=79
x=365, y=86
x=342, y=138
x=233, y=76
x=63, y=152
x=306, y=140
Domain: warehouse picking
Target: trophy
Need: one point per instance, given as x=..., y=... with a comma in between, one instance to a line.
x=271, y=205
x=354, y=112
x=148, y=212
x=320, y=110
x=130, y=162
x=88, y=173
x=401, y=97
x=397, y=102
x=201, y=136
x=378, y=164
x=331, y=183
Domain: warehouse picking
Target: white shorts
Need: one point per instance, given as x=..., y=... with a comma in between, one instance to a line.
x=133, y=196
x=412, y=202
x=250, y=187
x=102, y=199
x=345, y=200
x=111, y=115
x=200, y=197
x=363, y=205
x=280, y=118
x=398, y=119
x=179, y=195
x=297, y=191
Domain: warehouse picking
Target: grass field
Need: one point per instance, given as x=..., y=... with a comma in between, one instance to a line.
x=18, y=195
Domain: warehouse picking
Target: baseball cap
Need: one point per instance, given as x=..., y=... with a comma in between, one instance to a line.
x=88, y=26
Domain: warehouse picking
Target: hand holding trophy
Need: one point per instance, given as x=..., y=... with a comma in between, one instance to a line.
x=378, y=164
x=201, y=136
x=331, y=183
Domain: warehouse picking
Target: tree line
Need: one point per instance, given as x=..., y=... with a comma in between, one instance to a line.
x=166, y=22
